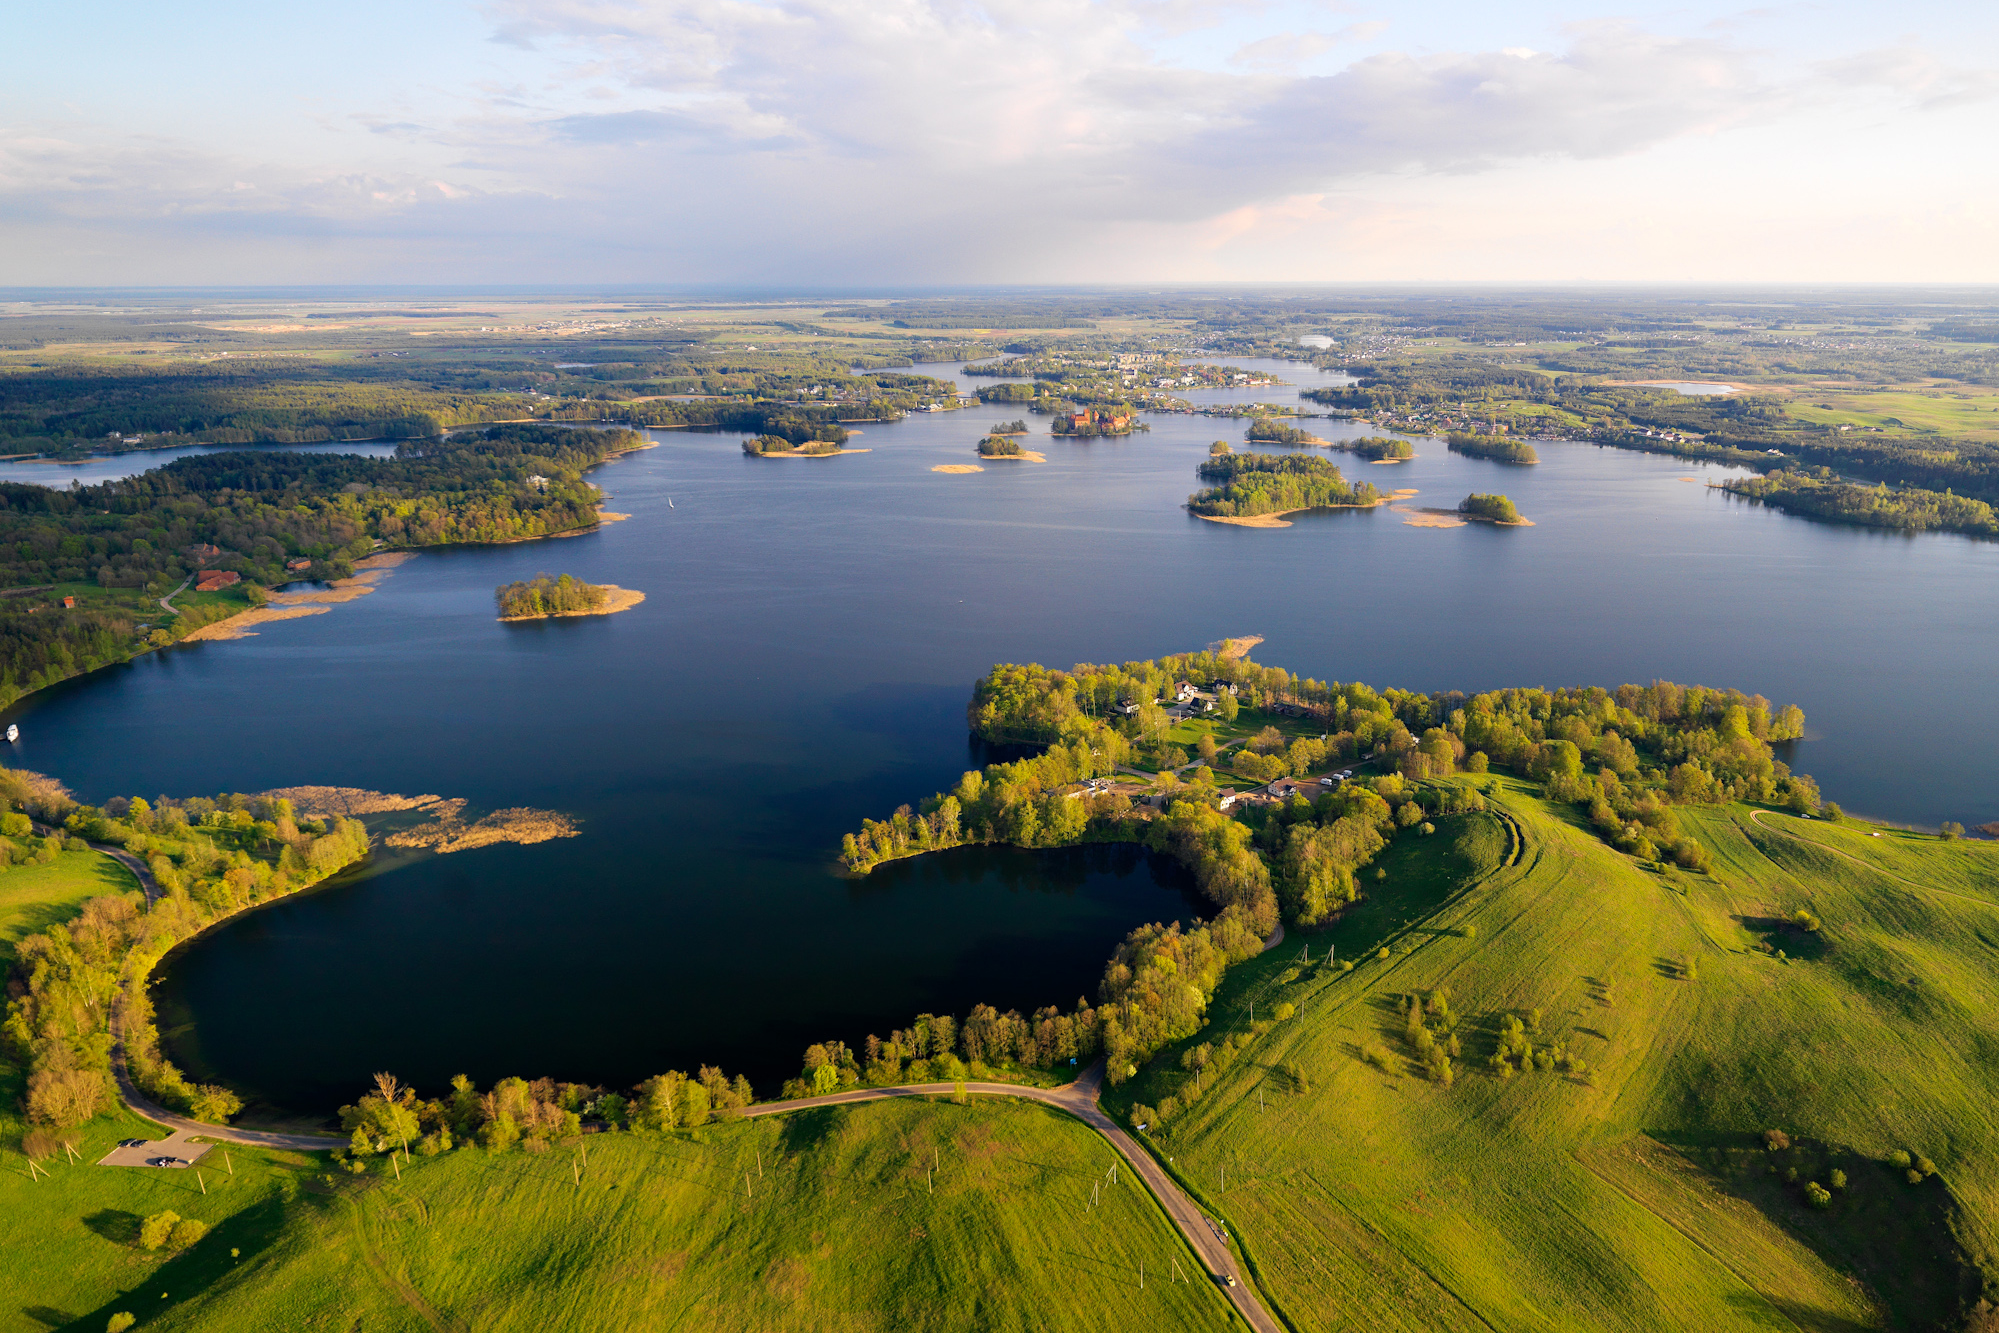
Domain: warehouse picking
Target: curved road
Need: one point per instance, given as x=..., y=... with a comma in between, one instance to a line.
x=145, y=1109
x=1080, y=1100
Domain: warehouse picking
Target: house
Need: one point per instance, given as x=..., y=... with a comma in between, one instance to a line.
x=1128, y=708
x=202, y=552
x=1229, y=798
x=298, y=566
x=539, y=482
x=1182, y=691
x=215, y=580
x=69, y=603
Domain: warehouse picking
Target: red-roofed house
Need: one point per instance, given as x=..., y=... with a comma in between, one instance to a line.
x=215, y=580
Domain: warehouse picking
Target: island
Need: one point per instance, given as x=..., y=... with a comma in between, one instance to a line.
x=1492, y=509
x=544, y=598
x=1267, y=430
x=999, y=446
x=1258, y=490
x=829, y=442
x=1378, y=448
x=1090, y=421
x=1498, y=448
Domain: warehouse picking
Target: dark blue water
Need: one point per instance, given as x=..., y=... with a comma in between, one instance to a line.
x=803, y=658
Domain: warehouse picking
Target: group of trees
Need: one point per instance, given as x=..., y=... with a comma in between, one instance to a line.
x=999, y=446
x=544, y=596
x=1377, y=448
x=1015, y=427
x=1495, y=507
x=779, y=444
x=1268, y=430
x=1252, y=484
x=210, y=858
x=938, y=1048
x=527, y=1113
x=1498, y=448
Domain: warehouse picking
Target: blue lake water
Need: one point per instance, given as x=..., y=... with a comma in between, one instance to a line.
x=802, y=660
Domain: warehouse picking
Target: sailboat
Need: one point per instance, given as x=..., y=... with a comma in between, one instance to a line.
x=669, y=502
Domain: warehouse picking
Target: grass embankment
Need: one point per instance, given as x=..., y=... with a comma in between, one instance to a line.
x=1636, y=1195
x=893, y=1216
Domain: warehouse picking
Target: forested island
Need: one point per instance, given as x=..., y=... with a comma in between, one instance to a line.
x=778, y=446
x=999, y=446
x=119, y=546
x=1268, y=430
x=1268, y=485
x=1491, y=509
x=1498, y=448
x=1378, y=448
x=541, y=597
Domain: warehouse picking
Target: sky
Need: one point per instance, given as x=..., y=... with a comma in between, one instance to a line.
x=912, y=142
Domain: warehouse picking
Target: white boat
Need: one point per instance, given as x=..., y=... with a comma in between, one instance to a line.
x=13, y=732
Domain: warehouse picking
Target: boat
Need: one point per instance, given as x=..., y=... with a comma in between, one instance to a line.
x=13, y=732
x=669, y=502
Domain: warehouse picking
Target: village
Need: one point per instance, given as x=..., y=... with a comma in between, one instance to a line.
x=1193, y=711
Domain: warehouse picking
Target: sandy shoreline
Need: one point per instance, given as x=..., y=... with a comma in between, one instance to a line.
x=957, y=468
x=1024, y=456
x=616, y=599
x=312, y=602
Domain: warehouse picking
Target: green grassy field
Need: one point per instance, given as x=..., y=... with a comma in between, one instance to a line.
x=1638, y=1196
x=896, y=1216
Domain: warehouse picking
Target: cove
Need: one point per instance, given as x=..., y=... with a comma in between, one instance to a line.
x=1000, y=925
x=803, y=660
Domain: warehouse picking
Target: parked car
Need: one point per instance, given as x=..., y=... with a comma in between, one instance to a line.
x=165, y=1161
x=133, y=1143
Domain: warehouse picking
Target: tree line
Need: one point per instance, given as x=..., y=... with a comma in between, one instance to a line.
x=1495, y=507
x=1906, y=510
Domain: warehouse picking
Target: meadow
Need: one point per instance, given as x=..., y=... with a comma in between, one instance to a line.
x=1638, y=1192
x=1626, y=1183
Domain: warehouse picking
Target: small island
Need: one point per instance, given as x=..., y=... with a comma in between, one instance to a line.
x=1492, y=509
x=1378, y=449
x=1258, y=490
x=1004, y=447
x=1495, y=447
x=1266, y=430
x=1015, y=427
x=542, y=598
x=781, y=446
x=1089, y=421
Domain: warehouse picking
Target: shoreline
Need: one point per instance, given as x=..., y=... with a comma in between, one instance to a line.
x=294, y=605
x=1024, y=456
x=1281, y=518
x=616, y=599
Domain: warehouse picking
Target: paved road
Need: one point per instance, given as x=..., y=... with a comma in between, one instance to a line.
x=132, y=863
x=180, y=1124
x=166, y=602
x=1080, y=1100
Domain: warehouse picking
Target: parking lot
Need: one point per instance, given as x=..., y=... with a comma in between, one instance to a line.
x=179, y=1144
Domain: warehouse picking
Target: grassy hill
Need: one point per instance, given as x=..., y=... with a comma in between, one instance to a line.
x=1639, y=1193
x=1634, y=1190
x=895, y=1216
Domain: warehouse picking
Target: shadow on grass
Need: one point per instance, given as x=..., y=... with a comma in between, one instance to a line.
x=120, y=1228
x=1899, y=1240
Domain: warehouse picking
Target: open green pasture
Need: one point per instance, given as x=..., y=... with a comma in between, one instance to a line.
x=1637, y=1194
x=900, y=1215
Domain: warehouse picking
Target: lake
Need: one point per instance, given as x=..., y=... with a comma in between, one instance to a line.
x=802, y=660
x=111, y=467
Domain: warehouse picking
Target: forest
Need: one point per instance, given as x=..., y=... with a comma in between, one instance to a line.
x=999, y=446
x=1624, y=758
x=1252, y=484
x=1268, y=430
